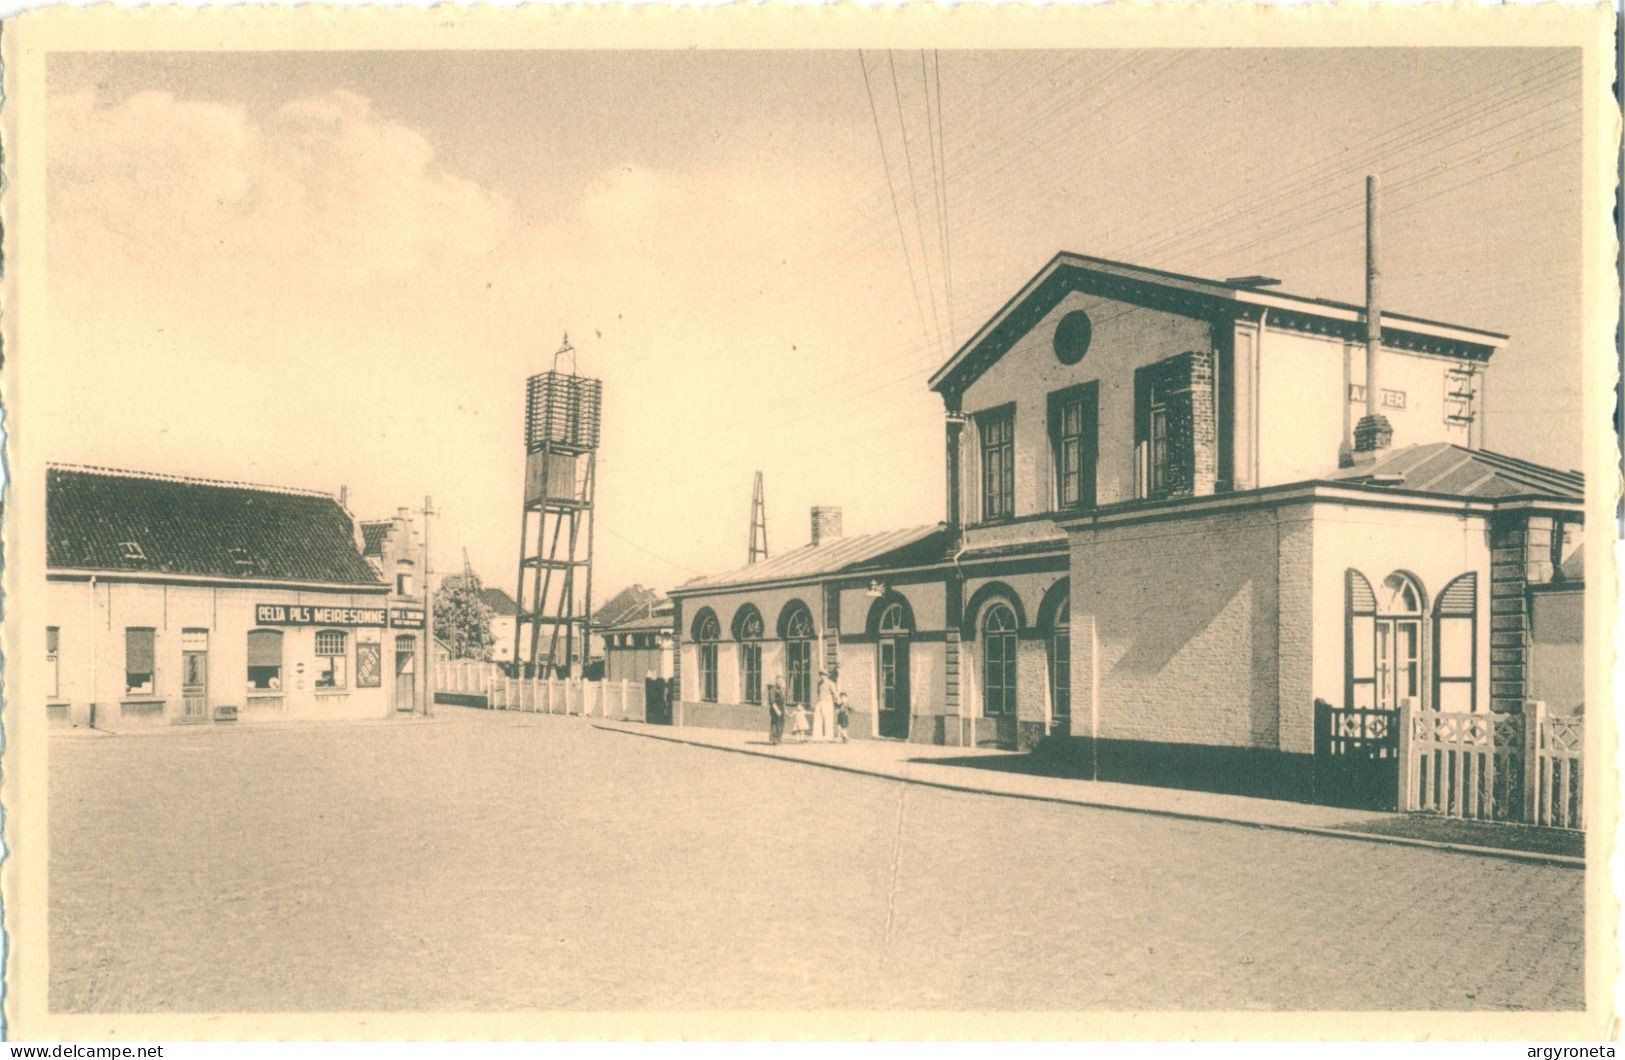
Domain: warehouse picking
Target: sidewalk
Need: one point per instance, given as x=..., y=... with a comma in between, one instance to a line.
x=957, y=769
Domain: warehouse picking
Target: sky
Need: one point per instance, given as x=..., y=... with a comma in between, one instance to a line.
x=326, y=269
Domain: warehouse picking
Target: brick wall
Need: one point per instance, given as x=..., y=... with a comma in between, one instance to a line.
x=1294, y=728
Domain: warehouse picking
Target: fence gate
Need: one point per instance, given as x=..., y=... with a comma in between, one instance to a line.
x=1494, y=767
x=656, y=703
x=1356, y=757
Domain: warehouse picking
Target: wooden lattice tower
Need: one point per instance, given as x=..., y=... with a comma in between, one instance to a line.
x=552, y=633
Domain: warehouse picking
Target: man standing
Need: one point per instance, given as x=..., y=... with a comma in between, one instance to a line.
x=775, y=712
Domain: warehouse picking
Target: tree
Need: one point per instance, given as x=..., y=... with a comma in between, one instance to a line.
x=463, y=620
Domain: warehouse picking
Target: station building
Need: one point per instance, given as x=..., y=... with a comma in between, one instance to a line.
x=186, y=601
x=1168, y=533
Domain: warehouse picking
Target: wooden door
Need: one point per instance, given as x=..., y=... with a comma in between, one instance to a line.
x=195, y=675
x=406, y=665
x=894, y=693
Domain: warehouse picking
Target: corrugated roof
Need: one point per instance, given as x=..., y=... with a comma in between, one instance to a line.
x=659, y=620
x=630, y=602
x=831, y=557
x=108, y=520
x=1442, y=467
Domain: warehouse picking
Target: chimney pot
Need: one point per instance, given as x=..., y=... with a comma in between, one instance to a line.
x=826, y=523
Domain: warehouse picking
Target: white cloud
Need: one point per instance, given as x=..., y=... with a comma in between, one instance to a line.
x=321, y=188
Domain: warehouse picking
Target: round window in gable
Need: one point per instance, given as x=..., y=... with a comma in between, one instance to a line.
x=1072, y=337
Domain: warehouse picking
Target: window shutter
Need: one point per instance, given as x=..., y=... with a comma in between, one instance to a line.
x=1361, y=599
x=264, y=647
x=1359, y=641
x=138, y=651
x=1460, y=597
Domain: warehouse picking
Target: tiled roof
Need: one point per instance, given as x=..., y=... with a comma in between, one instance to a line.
x=106, y=520
x=372, y=537
x=630, y=602
x=1440, y=467
x=844, y=554
x=498, y=601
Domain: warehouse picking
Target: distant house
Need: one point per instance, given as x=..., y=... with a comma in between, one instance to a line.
x=635, y=631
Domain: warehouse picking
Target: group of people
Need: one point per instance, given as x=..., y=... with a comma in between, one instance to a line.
x=826, y=721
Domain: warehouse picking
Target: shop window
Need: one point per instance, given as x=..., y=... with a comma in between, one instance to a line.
x=1073, y=437
x=798, y=642
x=998, y=431
x=53, y=643
x=998, y=661
x=748, y=631
x=1455, y=639
x=1060, y=670
x=265, y=660
x=710, y=631
x=140, y=678
x=331, y=660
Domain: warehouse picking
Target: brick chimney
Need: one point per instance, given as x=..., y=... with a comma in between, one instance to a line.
x=826, y=524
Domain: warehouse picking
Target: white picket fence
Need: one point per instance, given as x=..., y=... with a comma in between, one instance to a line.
x=611, y=700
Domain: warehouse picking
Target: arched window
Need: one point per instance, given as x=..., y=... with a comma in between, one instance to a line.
x=1060, y=670
x=892, y=620
x=998, y=661
x=748, y=632
x=1399, y=642
x=708, y=633
x=798, y=636
x=332, y=662
x=265, y=660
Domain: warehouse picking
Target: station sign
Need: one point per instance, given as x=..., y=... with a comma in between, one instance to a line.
x=406, y=617
x=308, y=615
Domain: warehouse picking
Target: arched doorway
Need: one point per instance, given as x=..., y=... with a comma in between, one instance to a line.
x=891, y=655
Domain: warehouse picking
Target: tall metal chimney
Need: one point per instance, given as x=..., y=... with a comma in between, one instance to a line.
x=1373, y=433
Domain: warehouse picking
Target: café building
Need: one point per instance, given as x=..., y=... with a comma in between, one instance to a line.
x=174, y=601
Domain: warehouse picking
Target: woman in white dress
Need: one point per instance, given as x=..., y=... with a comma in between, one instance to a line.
x=824, y=707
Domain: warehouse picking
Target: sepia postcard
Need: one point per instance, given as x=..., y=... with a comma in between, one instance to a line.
x=987, y=522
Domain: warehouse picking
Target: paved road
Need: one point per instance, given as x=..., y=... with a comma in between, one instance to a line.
x=484, y=862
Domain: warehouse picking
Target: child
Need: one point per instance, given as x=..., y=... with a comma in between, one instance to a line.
x=843, y=714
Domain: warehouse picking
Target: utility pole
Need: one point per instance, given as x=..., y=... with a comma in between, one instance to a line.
x=428, y=613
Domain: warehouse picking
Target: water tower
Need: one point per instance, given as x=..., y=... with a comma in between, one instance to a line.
x=551, y=633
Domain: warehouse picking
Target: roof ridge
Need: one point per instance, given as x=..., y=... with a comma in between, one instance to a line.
x=191, y=480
